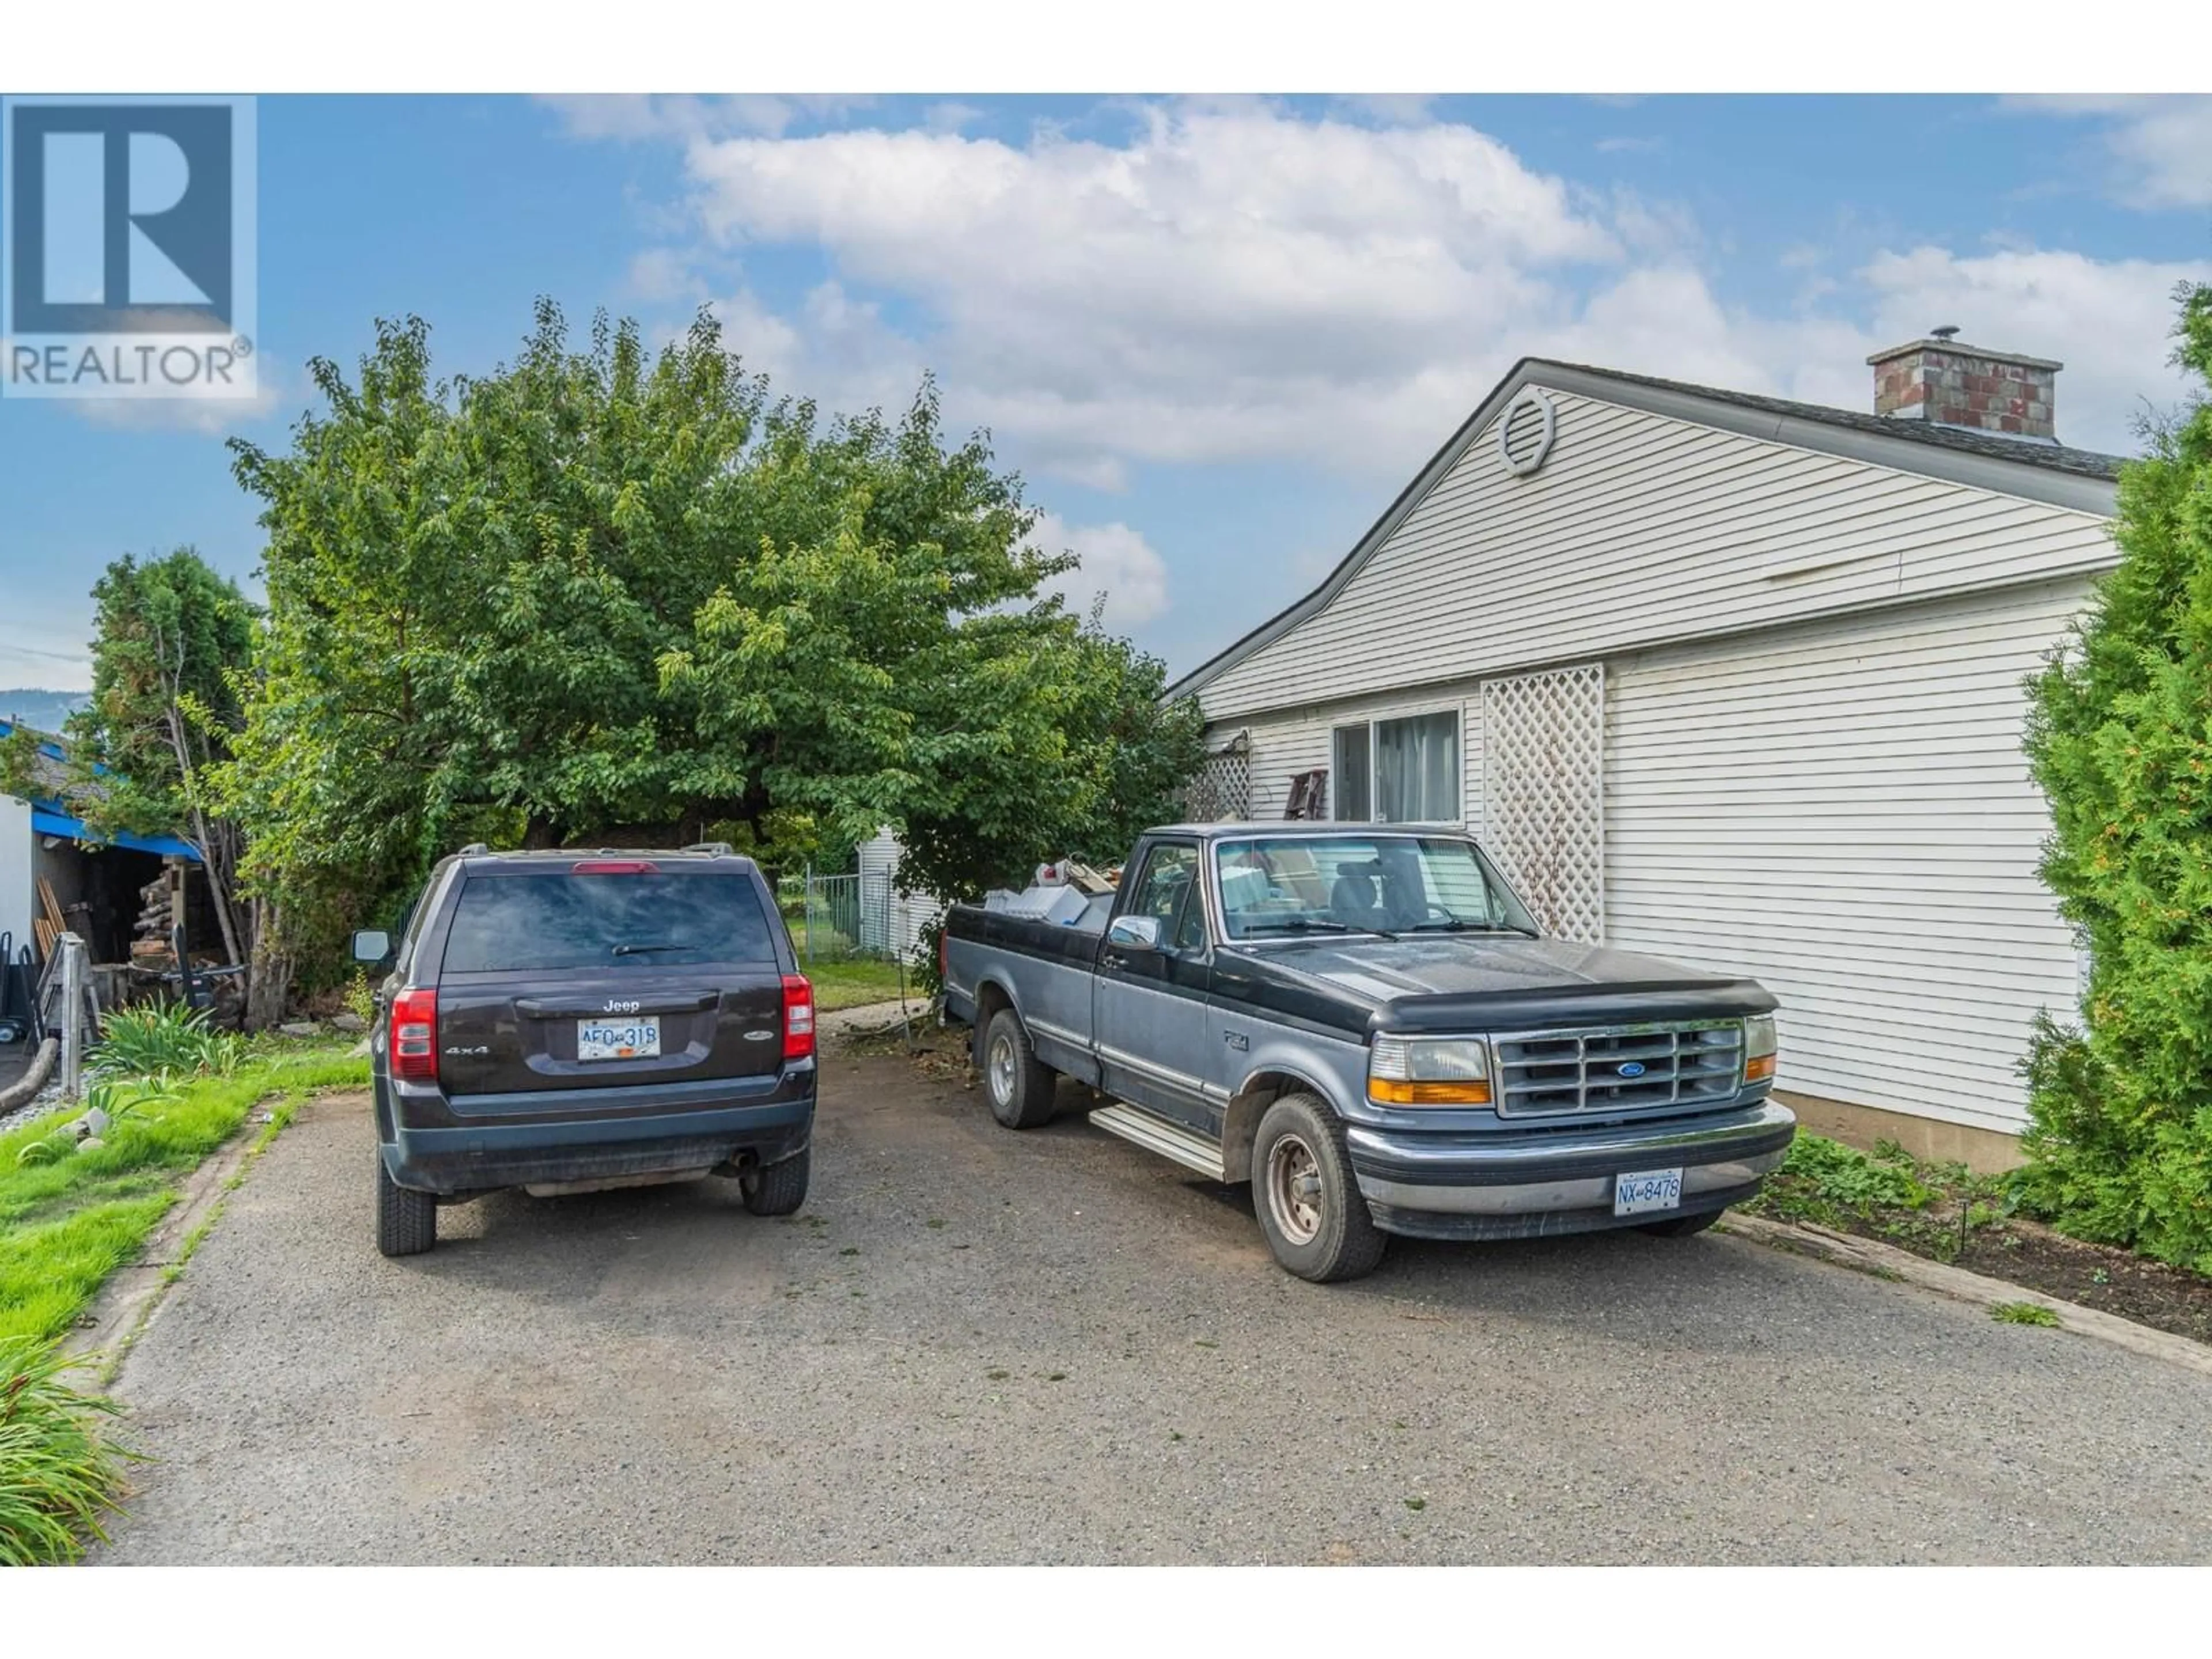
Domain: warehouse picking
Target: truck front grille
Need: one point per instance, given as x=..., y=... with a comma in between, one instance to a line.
x=1619, y=1067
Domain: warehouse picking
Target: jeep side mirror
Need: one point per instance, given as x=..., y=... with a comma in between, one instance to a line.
x=371, y=946
x=1135, y=932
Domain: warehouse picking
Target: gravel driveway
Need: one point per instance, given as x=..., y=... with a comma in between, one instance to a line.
x=979, y=1347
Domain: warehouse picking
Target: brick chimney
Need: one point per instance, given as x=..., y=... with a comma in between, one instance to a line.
x=1940, y=379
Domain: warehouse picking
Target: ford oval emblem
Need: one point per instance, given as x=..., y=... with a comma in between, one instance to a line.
x=1631, y=1068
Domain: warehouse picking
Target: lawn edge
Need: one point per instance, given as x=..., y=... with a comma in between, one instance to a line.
x=127, y=1301
x=1888, y=1261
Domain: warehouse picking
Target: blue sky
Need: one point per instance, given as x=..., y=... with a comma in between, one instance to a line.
x=1216, y=336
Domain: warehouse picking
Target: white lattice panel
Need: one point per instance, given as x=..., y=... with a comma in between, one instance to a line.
x=1543, y=793
x=1221, y=790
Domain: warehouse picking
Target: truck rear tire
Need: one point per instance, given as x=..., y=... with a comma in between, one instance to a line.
x=1307, y=1201
x=1019, y=1086
x=406, y=1220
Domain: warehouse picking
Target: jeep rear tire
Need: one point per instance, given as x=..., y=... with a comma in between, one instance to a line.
x=406, y=1220
x=1019, y=1086
x=777, y=1189
x=1305, y=1193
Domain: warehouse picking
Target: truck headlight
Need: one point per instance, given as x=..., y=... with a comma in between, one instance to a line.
x=1429, y=1071
x=1758, y=1048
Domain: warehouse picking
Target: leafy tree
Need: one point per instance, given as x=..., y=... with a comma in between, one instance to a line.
x=2120, y=737
x=170, y=638
x=605, y=595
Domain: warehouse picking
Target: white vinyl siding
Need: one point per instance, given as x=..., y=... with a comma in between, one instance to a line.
x=1842, y=811
x=18, y=896
x=1640, y=530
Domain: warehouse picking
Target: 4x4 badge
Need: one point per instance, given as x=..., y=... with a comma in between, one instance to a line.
x=469, y=1051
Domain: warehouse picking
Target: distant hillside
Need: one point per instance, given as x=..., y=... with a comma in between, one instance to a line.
x=46, y=710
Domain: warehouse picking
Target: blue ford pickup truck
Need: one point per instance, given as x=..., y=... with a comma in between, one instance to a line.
x=1365, y=1022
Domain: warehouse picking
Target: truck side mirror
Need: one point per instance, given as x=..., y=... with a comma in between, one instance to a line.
x=371, y=946
x=1134, y=932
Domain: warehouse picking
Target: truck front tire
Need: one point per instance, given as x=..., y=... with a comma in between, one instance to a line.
x=1019, y=1086
x=1682, y=1226
x=1306, y=1197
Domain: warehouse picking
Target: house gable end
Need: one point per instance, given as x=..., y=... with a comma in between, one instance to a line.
x=1660, y=513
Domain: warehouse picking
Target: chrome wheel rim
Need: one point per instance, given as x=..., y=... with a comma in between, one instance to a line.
x=1294, y=1189
x=1001, y=1070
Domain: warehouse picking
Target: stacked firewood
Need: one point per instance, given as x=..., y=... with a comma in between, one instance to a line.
x=149, y=946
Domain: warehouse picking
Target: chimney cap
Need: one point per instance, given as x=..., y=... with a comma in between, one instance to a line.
x=1946, y=332
x=1932, y=342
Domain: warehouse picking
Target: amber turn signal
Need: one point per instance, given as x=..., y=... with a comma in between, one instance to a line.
x=1759, y=1068
x=1394, y=1091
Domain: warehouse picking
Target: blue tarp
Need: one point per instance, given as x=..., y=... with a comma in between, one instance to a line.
x=48, y=819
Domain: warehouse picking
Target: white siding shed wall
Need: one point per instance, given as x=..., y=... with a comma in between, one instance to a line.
x=1842, y=811
x=16, y=893
x=891, y=920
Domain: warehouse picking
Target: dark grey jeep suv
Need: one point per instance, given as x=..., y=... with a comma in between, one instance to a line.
x=564, y=1022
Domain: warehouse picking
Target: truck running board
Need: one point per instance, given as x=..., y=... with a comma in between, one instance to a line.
x=1186, y=1146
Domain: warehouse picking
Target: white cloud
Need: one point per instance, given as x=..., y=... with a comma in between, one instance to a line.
x=2161, y=146
x=662, y=274
x=186, y=411
x=1118, y=563
x=2109, y=321
x=1216, y=288
x=1231, y=281
x=633, y=116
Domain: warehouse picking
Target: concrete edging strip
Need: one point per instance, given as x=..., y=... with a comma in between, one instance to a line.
x=1869, y=1256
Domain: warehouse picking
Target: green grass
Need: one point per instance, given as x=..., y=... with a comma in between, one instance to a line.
x=68, y=1220
x=2022, y=1313
x=67, y=1223
x=854, y=983
x=60, y=1475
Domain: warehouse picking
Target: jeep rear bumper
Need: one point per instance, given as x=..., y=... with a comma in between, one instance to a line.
x=682, y=1128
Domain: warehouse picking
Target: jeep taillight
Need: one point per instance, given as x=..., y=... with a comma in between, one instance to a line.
x=797, y=1018
x=414, y=1036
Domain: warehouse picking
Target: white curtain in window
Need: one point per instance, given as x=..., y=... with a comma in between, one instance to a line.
x=1417, y=769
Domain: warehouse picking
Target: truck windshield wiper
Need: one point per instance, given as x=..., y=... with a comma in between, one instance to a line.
x=641, y=950
x=1457, y=926
x=1310, y=925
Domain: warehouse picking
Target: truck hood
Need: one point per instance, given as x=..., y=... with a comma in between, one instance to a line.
x=1440, y=982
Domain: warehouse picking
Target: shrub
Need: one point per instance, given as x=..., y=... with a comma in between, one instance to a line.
x=167, y=1037
x=59, y=1474
x=2118, y=736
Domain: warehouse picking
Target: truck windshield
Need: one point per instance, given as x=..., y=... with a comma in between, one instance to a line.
x=1362, y=883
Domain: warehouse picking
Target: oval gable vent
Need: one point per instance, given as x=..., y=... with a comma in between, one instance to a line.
x=1525, y=431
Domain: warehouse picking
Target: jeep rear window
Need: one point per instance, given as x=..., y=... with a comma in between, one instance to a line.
x=551, y=920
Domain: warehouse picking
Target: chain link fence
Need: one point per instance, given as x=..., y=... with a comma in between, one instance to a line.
x=856, y=917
